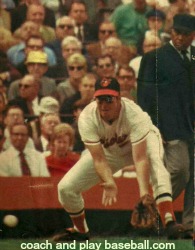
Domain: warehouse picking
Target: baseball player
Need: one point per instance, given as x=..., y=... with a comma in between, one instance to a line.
x=116, y=133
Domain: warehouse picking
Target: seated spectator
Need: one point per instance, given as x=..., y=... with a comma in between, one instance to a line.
x=8, y=73
x=69, y=45
x=37, y=65
x=28, y=99
x=47, y=125
x=84, y=94
x=13, y=115
x=6, y=39
x=47, y=105
x=77, y=67
x=151, y=42
x=62, y=158
x=119, y=52
x=105, y=66
x=26, y=30
x=5, y=18
x=84, y=31
x=106, y=29
x=18, y=53
x=19, y=14
x=19, y=159
x=127, y=80
x=64, y=28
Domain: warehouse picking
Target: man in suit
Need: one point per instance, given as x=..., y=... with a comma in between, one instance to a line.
x=83, y=29
x=166, y=91
x=28, y=99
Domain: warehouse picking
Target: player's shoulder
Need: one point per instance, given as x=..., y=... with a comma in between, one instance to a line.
x=89, y=109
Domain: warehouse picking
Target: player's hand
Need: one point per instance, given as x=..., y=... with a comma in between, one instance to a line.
x=109, y=193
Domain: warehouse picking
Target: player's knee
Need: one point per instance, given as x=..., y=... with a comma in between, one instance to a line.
x=65, y=190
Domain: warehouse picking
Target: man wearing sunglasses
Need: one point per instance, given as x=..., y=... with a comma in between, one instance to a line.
x=116, y=133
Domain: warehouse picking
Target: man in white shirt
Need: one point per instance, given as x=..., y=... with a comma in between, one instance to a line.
x=11, y=163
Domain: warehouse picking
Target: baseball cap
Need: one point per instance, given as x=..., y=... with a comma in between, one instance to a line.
x=107, y=86
x=37, y=57
x=184, y=23
x=49, y=104
x=156, y=13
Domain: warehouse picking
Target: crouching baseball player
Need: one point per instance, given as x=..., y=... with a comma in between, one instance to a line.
x=116, y=133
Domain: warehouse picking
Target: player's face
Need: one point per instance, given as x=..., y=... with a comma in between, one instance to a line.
x=109, y=107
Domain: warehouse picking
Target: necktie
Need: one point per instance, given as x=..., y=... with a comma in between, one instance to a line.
x=185, y=58
x=79, y=34
x=24, y=165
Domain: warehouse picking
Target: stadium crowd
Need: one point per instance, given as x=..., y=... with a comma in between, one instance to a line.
x=52, y=53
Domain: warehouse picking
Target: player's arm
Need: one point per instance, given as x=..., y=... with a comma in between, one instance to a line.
x=139, y=151
x=105, y=173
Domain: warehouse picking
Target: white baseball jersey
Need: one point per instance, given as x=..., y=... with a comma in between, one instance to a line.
x=131, y=127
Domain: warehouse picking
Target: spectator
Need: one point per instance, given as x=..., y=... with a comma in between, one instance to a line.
x=18, y=159
x=127, y=80
x=64, y=28
x=18, y=15
x=6, y=39
x=13, y=115
x=105, y=66
x=47, y=125
x=69, y=45
x=83, y=30
x=165, y=91
x=8, y=72
x=106, y=29
x=84, y=95
x=18, y=53
x=47, y=105
x=151, y=42
x=37, y=65
x=36, y=13
x=77, y=67
x=62, y=158
x=155, y=20
x=119, y=52
x=175, y=7
x=5, y=19
x=28, y=99
x=130, y=22
x=26, y=30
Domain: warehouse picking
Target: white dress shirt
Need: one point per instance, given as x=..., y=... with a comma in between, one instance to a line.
x=10, y=163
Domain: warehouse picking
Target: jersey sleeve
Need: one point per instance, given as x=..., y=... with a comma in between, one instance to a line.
x=140, y=124
x=87, y=125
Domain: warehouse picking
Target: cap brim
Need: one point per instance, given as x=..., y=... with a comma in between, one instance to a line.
x=106, y=92
x=183, y=29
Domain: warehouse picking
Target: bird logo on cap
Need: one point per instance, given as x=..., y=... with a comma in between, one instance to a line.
x=105, y=82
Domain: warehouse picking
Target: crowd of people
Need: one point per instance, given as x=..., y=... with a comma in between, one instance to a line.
x=53, y=52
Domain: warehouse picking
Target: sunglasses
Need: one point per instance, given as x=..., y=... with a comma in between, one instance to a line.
x=62, y=26
x=105, y=98
x=107, y=65
x=25, y=86
x=79, y=68
x=34, y=46
x=110, y=32
x=129, y=78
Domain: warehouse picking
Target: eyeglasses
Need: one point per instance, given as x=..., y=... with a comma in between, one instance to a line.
x=129, y=78
x=110, y=32
x=105, y=98
x=34, y=46
x=79, y=68
x=25, y=86
x=68, y=26
x=106, y=65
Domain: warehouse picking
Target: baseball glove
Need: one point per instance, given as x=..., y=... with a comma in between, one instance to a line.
x=145, y=213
